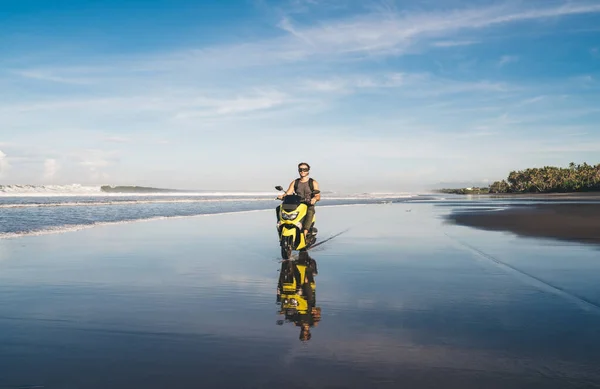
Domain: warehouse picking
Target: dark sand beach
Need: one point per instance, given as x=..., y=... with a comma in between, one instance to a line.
x=564, y=221
x=406, y=301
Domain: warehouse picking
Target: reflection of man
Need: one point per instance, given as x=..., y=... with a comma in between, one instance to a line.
x=307, y=320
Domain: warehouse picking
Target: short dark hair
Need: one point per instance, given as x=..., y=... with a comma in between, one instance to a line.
x=304, y=163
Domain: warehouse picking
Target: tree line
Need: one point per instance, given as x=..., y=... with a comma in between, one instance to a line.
x=550, y=179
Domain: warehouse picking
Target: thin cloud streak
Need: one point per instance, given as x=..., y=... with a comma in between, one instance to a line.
x=381, y=33
x=454, y=43
x=117, y=139
x=47, y=75
x=507, y=59
x=390, y=33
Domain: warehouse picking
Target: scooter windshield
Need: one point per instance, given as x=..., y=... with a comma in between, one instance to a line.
x=292, y=200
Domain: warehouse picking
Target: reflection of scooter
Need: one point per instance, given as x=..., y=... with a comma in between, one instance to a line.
x=296, y=294
x=290, y=216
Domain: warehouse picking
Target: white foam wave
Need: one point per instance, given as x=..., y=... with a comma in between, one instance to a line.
x=126, y=202
x=84, y=191
x=23, y=190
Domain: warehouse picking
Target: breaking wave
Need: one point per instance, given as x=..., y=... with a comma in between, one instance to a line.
x=108, y=191
x=76, y=189
x=122, y=202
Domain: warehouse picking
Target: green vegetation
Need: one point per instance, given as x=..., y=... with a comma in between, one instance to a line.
x=465, y=191
x=133, y=189
x=549, y=179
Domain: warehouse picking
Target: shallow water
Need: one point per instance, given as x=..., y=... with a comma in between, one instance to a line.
x=405, y=300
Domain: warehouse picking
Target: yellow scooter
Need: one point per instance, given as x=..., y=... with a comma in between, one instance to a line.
x=290, y=214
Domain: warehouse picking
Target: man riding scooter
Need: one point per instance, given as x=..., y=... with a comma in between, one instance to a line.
x=304, y=187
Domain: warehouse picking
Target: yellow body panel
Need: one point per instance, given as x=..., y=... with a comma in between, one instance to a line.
x=297, y=221
x=290, y=288
x=289, y=232
x=289, y=292
x=301, y=304
x=301, y=209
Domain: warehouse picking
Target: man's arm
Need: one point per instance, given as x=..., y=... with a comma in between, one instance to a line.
x=289, y=191
x=318, y=195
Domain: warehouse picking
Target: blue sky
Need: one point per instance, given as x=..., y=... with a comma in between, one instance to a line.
x=376, y=96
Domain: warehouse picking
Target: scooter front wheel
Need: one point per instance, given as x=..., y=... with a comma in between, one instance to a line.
x=286, y=250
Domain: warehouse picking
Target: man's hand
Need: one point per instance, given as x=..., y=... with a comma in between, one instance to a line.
x=280, y=197
x=313, y=201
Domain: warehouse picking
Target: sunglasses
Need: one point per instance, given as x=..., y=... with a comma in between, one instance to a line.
x=303, y=169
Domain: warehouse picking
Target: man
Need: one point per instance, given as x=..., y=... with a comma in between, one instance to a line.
x=302, y=187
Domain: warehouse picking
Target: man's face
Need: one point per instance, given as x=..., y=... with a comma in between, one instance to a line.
x=303, y=170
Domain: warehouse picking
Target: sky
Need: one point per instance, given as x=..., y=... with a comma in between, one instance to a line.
x=231, y=95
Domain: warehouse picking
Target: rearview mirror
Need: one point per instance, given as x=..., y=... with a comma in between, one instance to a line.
x=278, y=187
x=315, y=192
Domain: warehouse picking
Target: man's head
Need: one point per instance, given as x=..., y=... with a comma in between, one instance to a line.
x=303, y=169
x=305, y=334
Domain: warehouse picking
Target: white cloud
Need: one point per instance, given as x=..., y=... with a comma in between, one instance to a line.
x=95, y=163
x=390, y=32
x=584, y=80
x=454, y=43
x=385, y=32
x=42, y=75
x=178, y=104
x=287, y=26
x=4, y=165
x=107, y=104
x=533, y=100
x=117, y=139
x=210, y=107
x=414, y=84
x=51, y=166
x=161, y=141
x=506, y=59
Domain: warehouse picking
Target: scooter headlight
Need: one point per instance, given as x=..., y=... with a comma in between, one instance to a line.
x=289, y=216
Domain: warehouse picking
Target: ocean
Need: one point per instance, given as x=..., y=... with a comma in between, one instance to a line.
x=37, y=210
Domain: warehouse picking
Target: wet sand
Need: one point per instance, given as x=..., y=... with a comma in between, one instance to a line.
x=569, y=222
x=183, y=303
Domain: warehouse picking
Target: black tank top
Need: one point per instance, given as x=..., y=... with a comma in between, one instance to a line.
x=304, y=191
